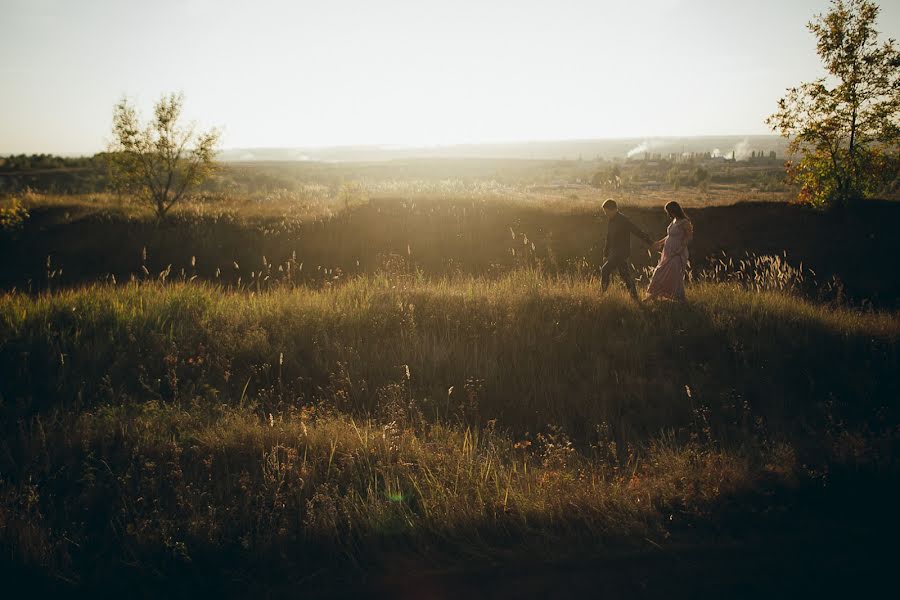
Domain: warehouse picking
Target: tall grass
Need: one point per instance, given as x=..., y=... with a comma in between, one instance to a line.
x=252, y=242
x=182, y=429
x=527, y=349
x=152, y=488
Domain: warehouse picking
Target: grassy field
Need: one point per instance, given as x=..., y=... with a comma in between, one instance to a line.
x=62, y=241
x=222, y=440
x=337, y=391
x=723, y=181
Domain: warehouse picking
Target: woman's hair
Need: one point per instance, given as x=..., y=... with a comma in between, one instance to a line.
x=674, y=210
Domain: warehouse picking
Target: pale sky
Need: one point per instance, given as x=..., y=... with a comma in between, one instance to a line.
x=274, y=73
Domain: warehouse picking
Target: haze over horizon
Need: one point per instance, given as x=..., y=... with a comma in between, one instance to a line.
x=278, y=74
x=742, y=148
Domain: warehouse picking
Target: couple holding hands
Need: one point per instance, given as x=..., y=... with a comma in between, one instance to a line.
x=668, y=277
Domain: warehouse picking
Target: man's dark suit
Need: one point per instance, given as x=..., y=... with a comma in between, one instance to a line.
x=617, y=251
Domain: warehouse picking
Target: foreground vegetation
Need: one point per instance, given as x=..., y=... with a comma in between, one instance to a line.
x=186, y=432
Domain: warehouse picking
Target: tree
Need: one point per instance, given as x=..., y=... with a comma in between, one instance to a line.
x=701, y=176
x=160, y=161
x=844, y=128
x=607, y=177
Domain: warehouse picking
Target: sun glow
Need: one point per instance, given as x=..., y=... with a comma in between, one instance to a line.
x=278, y=73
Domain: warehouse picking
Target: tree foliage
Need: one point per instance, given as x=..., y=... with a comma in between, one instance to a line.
x=607, y=178
x=844, y=127
x=162, y=160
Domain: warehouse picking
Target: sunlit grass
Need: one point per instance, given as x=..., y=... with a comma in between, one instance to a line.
x=315, y=201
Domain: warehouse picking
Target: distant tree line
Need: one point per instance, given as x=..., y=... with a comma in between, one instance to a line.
x=27, y=162
x=51, y=174
x=47, y=173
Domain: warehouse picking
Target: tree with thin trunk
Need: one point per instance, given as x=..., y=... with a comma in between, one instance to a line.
x=845, y=127
x=160, y=162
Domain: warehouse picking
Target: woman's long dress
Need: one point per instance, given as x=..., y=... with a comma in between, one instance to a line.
x=668, y=277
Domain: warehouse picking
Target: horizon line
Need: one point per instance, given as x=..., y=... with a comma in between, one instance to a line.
x=395, y=146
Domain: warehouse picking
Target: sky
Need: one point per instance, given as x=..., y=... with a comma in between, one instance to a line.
x=297, y=73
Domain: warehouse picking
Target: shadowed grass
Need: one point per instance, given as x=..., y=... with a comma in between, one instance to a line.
x=525, y=349
x=191, y=433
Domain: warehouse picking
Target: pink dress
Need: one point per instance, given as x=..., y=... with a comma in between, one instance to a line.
x=668, y=277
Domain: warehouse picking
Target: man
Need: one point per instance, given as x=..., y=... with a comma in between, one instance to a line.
x=618, y=247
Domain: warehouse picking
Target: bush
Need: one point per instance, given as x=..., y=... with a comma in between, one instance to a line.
x=12, y=216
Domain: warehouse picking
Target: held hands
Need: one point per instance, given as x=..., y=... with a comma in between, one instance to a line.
x=658, y=245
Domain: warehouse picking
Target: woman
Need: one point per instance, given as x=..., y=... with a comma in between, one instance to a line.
x=668, y=277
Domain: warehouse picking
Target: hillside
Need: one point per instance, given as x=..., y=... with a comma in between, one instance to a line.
x=182, y=432
x=87, y=242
